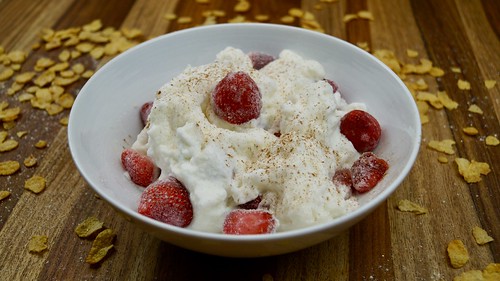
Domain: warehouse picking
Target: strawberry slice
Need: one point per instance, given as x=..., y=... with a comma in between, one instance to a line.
x=167, y=201
x=343, y=177
x=252, y=204
x=145, y=110
x=334, y=85
x=367, y=171
x=259, y=60
x=236, y=98
x=241, y=221
x=141, y=169
x=362, y=129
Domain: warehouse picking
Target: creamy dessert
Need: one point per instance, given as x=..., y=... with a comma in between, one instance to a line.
x=266, y=141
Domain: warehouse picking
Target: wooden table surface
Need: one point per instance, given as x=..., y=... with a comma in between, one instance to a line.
x=461, y=37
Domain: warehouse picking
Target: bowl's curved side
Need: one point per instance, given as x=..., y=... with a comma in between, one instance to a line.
x=116, y=91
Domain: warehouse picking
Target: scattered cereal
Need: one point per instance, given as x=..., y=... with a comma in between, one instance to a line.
x=456, y=69
x=35, y=184
x=436, y=72
x=21, y=134
x=101, y=246
x=492, y=140
x=88, y=227
x=475, y=109
x=408, y=206
x=8, y=145
x=457, y=253
x=472, y=170
x=64, y=121
x=287, y=19
x=365, y=15
x=411, y=53
x=6, y=74
x=481, y=236
x=492, y=272
x=41, y=144
x=242, y=6
x=446, y=100
x=444, y=146
x=261, y=17
x=349, y=17
x=30, y=161
x=170, y=16
x=471, y=131
x=4, y=194
x=463, y=85
x=490, y=84
x=184, y=20
x=37, y=244
x=363, y=45
x=9, y=167
x=442, y=159
x=470, y=275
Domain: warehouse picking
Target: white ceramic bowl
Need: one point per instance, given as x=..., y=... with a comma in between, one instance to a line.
x=104, y=120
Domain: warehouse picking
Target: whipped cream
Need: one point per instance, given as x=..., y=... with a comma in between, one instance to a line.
x=223, y=165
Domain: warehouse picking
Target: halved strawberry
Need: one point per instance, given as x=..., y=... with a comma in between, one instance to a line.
x=367, y=171
x=362, y=129
x=141, y=169
x=236, y=98
x=167, y=201
x=259, y=60
x=145, y=110
x=241, y=221
x=343, y=176
x=334, y=85
x=252, y=204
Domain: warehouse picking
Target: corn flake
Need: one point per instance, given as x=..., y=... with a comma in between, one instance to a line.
x=492, y=272
x=408, y=206
x=492, y=140
x=471, y=131
x=24, y=77
x=64, y=121
x=88, y=227
x=101, y=246
x=35, y=184
x=6, y=74
x=455, y=69
x=170, y=16
x=8, y=145
x=444, y=146
x=349, y=17
x=490, y=84
x=9, y=167
x=436, y=72
x=184, y=20
x=446, y=100
x=457, y=253
x=463, y=85
x=367, y=15
x=470, y=275
x=242, y=6
x=38, y=244
x=442, y=159
x=481, y=236
x=472, y=170
x=4, y=194
x=411, y=53
x=30, y=161
x=475, y=109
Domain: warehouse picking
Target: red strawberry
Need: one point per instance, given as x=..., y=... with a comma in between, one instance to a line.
x=343, y=176
x=252, y=204
x=145, y=110
x=367, y=171
x=334, y=85
x=242, y=221
x=362, y=129
x=167, y=201
x=259, y=60
x=237, y=98
x=141, y=169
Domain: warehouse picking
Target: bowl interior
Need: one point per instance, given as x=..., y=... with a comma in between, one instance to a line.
x=105, y=119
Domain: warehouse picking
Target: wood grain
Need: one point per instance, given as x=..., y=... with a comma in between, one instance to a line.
x=387, y=245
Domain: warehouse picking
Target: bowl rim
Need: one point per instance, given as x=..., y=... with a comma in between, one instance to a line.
x=354, y=215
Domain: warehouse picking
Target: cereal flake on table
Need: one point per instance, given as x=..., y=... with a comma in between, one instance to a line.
x=38, y=244
x=405, y=205
x=4, y=194
x=88, y=227
x=35, y=184
x=481, y=236
x=445, y=146
x=471, y=171
x=492, y=141
x=457, y=253
x=101, y=245
x=474, y=108
x=9, y=167
x=490, y=273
